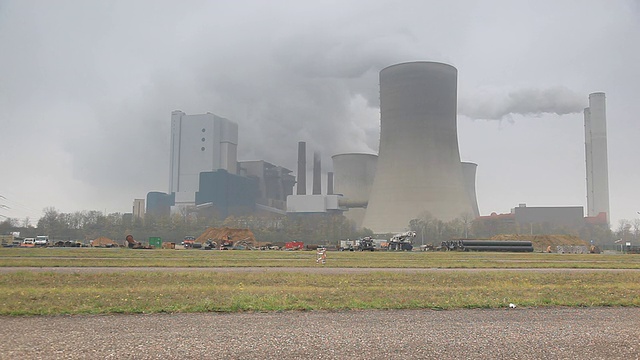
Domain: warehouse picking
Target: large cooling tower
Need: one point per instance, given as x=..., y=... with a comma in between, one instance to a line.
x=353, y=178
x=595, y=126
x=419, y=169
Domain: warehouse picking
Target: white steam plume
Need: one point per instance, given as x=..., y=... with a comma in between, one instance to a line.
x=491, y=105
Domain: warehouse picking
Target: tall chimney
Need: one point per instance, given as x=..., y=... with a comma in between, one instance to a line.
x=595, y=126
x=330, y=183
x=317, y=173
x=302, y=168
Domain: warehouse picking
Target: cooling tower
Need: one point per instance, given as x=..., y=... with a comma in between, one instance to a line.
x=317, y=175
x=353, y=177
x=419, y=168
x=595, y=126
x=469, y=174
x=301, y=188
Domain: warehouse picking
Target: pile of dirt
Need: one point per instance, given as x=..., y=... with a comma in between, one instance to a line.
x=228, y=234
x=542, y=242
x=103, y=241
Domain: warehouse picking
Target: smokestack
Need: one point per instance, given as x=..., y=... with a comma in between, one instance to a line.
x=329, y=183
x=317, y=173
x=302, y=168
x=595, y=128
x=418, y=170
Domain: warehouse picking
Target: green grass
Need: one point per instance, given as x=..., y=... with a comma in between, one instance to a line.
x=491, y=285
x=30, y=293
x=83, y=257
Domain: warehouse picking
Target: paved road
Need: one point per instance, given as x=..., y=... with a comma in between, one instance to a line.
x=546, y=333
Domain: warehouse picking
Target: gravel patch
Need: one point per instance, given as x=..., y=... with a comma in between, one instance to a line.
x=521, y=333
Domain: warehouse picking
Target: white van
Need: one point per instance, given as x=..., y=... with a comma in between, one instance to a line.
x=41, y=240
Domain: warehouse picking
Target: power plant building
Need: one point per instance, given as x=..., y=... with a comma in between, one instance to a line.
x=227, y=194
x=595, y=129
x=138, y=208
x=275, y=183
x=199, y=143
x=418, y=169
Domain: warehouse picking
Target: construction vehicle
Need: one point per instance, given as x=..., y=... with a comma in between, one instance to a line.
x=132, y=244
x=28, y=242
x=365, y=244
x=347, y=245
x=294, y=245
x=189, y=242
x=402, y=241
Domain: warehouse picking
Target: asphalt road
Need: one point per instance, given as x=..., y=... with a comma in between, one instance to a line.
x=543, y=333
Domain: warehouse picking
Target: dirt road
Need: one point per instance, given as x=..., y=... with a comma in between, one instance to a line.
x=546, y=333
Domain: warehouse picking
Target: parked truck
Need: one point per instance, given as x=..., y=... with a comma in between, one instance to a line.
x=41, y=240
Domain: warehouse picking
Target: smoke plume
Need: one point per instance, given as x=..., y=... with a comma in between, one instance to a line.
x=490, y=105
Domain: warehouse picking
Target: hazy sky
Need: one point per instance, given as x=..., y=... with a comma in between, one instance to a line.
x=87, y=89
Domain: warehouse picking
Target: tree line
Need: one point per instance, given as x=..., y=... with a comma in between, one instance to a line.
x=321, y=229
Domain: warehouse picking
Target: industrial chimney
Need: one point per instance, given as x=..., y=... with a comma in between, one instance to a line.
x=329, y=183
x=301, y=189
x=419, y=169
x=595, y=129
x=317, y=174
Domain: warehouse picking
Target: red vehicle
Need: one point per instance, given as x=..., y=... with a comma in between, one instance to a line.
x=189, y=241
x=294, y=245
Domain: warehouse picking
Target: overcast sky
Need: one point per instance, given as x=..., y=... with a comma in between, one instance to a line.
x=87, y=89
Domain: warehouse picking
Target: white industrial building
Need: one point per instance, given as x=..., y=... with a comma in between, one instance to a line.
x=199, y=143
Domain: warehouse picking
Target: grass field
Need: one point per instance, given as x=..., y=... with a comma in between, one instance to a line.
x=26, y=292
x=83, y=257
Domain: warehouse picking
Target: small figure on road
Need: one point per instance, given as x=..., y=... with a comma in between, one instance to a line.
x=321, y=256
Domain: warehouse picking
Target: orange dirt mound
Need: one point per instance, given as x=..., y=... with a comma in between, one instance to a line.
x=221, y=234
x=103, y=241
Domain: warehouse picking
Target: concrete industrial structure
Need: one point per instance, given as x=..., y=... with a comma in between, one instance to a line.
x=469, y=173
x=226, y=194
x=353, y=178
x=419, y=169
x=275, y=183
x=138, y=208
x=316, y=202
x=301, y=187
x=595, y=129
x=199, y=143
x=317, y=175
x=159, y=204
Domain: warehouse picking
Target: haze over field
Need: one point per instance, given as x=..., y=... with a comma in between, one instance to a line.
x=87, y=88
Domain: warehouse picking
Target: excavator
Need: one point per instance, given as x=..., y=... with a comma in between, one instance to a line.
x=132, y=244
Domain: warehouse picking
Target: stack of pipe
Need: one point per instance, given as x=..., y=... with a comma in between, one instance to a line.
x=489, y=245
